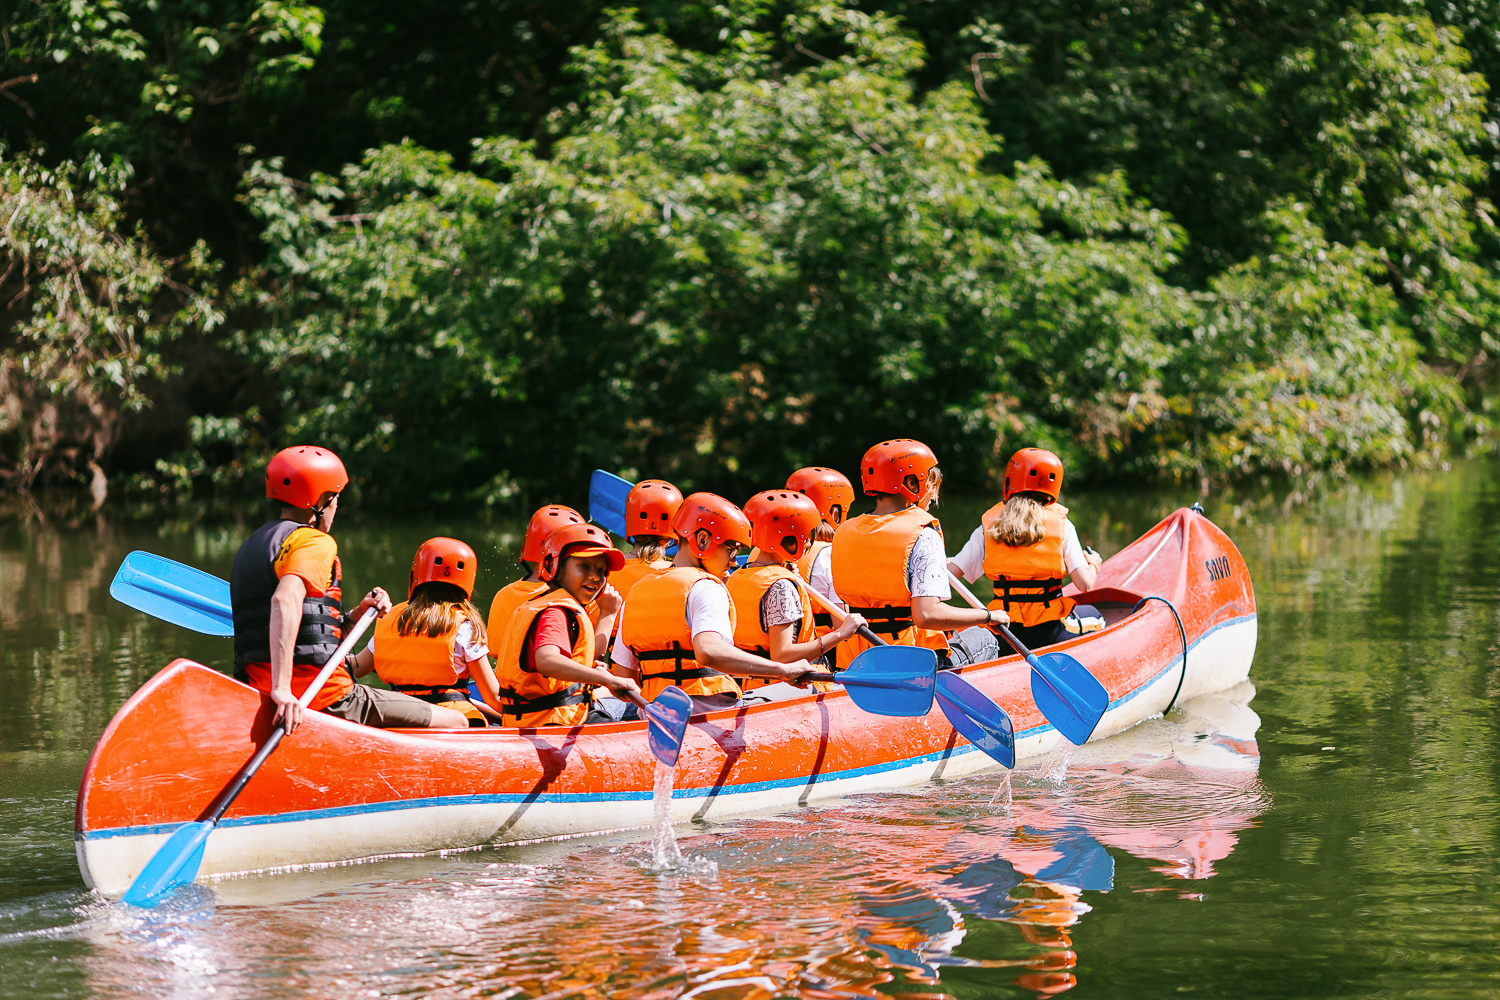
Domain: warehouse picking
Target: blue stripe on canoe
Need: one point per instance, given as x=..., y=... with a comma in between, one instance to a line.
x=397, y=805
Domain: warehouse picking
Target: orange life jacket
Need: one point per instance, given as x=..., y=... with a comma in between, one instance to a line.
x=747, y=588
x=529, y=697
x=634, y=569
x=871, y=553
x=421, y=665
x=513, y=595
x=656, y=630
x=1028, y=579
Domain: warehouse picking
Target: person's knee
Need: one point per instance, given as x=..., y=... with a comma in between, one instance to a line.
x=447, y=718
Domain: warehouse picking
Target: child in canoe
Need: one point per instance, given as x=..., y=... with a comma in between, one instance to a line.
x=833, y=495
x=1027, y=547
x=510, y=597
x=649, y=508
x=432, y=644
x=546, y=671
x=773, y=614
x=890, y=565
x=678, y=626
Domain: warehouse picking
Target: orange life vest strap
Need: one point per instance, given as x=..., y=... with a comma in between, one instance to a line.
x=886, y=620
x=434, y=695
x=1011, y=591
x=514, y=704
x=676, y=654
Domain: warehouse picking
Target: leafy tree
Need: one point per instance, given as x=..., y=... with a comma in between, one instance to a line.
x=86, y=308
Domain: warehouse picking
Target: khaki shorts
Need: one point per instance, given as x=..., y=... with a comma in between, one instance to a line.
x=381, y=708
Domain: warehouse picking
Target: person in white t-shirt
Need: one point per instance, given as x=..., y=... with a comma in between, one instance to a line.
x=890, y=565
x=677, y=627
x=1028, y=548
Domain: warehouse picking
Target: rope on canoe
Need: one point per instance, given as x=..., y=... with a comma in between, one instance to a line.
x=1181, y=632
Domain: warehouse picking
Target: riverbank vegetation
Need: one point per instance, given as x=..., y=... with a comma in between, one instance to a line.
x=480, y=250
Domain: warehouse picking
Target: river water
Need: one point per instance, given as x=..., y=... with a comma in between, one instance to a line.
x=1327, y=830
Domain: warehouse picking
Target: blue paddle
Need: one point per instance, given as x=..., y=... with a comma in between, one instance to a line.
x=607, y=493
x=176, y=862
x=1070, y=697
x=976, y=716
x=666, y=722
x=889, y=680
x=182, y=595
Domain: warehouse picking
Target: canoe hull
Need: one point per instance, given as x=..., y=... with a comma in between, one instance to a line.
x=338, y=792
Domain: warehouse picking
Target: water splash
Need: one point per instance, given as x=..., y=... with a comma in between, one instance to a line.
x=1054, y=770
x=666, y=856
x=664, y=850
x=1002, y=796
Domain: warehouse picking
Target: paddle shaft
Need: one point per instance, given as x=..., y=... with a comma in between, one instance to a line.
x=839, y=678
x=838, y=616
x=335, y=661
x=1046, y=675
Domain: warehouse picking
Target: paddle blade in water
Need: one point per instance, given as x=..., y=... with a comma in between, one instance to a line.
x=1070, y=697
x=174, y=863
x=666, y=724
x=607, y=493
x=976, y=716
x=182, y=595
x=892, y=680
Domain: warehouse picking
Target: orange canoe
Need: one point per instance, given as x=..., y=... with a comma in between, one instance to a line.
x=338, y=792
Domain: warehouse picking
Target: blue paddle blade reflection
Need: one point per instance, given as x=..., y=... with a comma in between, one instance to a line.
x=977, y=718
x=892, y=680
x=1069, y=697
x=666, y=724
x=175, y=863
x=167, y=589
x=607, y=493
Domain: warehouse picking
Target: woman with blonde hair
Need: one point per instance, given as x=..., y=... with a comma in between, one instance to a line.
x=1028, y=548
x=431, y=645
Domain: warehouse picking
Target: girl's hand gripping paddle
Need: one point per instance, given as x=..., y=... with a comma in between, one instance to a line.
x=1070, y=697
x=176, y=862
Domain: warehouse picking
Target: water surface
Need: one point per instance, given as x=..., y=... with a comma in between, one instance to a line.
x=1333, y=837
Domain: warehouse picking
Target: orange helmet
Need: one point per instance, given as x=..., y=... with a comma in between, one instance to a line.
x=778, y=517
x=899, y=467
x=300, y=475
x=577, y=540
x=828, y=489
x=649, y=507
x=1033, y=470
x=444, y=560
x=707, y=519
x=543, y=523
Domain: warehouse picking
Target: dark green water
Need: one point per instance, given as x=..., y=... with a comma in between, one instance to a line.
x=1359, y=860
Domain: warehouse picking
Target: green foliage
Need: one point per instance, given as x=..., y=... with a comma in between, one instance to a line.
x=713, y=241
x=86, y=309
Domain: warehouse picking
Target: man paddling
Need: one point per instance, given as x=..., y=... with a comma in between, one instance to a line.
x=890, y=565
x=285, y=589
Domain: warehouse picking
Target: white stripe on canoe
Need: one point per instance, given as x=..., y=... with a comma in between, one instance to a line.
x=1165, y=538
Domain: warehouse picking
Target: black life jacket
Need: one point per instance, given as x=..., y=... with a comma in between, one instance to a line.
x=253, y=580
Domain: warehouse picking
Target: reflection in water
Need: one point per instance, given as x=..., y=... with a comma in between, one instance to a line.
x=872, y=897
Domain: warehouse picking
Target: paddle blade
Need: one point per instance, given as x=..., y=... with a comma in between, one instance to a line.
x=174, y=863
x=173, y=592
x=1070, y=697
x=892, y=680
x=666, y=724
x=607, y=493
x=977, y=718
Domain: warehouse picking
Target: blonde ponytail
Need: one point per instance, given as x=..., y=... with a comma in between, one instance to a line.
x=1020, y=523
